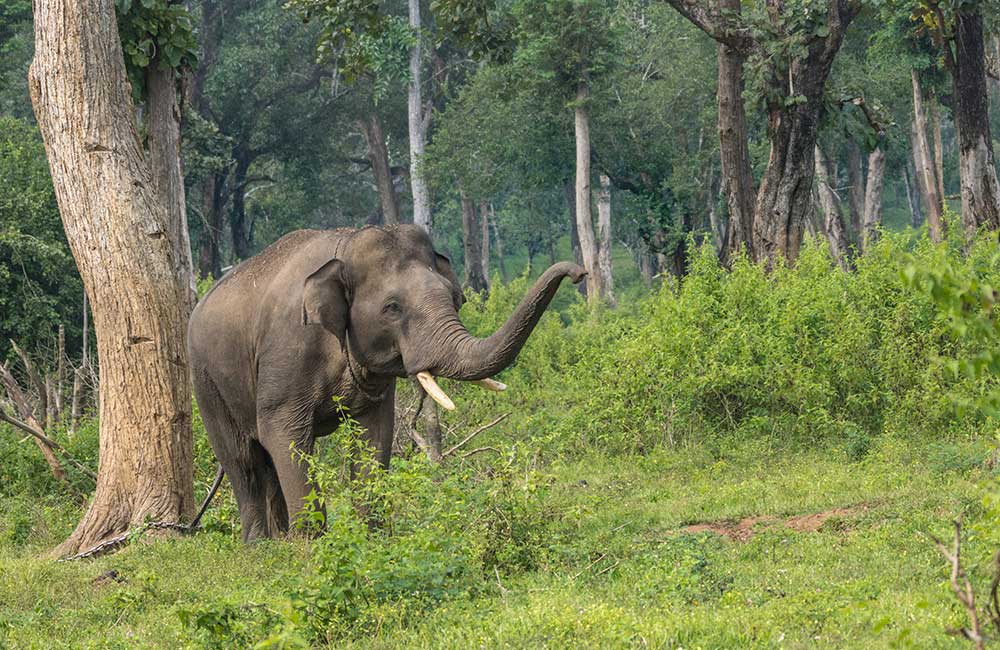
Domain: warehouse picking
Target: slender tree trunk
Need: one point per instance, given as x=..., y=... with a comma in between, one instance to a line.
x=856, y=191
x=925, y=162
x=833, y=220
x=980, y=189
x=584, y=221
x=60, y=382
x=471, y=241
x=209, y=253
x=912, y=197
x=873, y=198
x=574, y=233
x=417, y=129
x=499, y=242
x=378, y=156
x=484, y=222
x=604, y=236
x=935, y=116
x=121, y=238
x=734, y=152
x=240, y=230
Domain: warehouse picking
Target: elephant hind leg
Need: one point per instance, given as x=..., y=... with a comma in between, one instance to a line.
x=239, y=455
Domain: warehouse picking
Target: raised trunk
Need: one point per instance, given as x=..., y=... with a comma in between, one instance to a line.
x=856, y=189
x=737, y=177
x=604, y=236
x=584, y=221
x=833, y=221
x=378, y=156
x=121, y=238
x=417, y=128
x=925, y=162
x=980, y=190
x=471, y=240
x=873, y=198
x=476, y=358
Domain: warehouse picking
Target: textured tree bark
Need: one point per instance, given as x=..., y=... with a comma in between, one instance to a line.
x=856, y=191
x=925, y=163
x=980, y=190
x=873, y=199
x=584, y=221
x=417, y=129
x=569, y=189
x=833, y=221
x=784, y=198
x=120, y=234
x=164, y=142
x=604, y=237
x=733, y=150
x=471, y=243
x=378, y=156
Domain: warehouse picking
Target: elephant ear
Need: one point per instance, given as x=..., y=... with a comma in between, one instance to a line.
x=443, y=265
x=324, y=299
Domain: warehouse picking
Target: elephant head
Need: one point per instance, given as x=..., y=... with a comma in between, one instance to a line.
x=393, y=302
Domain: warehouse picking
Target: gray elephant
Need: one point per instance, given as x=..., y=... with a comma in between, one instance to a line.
x=323, y=313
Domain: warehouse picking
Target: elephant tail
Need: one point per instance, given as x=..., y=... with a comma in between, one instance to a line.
x=208, y=498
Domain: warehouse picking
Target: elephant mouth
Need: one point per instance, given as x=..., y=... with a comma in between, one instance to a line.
x=430, y=386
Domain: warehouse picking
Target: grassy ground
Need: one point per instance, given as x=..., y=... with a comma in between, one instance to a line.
x=615, y=567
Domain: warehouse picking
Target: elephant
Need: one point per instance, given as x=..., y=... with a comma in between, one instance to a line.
x=324, y=313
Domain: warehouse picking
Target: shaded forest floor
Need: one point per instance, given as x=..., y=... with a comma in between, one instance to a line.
x=692, y=547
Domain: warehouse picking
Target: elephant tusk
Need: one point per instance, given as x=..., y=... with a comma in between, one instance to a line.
x=427, y=381
x=491, y=384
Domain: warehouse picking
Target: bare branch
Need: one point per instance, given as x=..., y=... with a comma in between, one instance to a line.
x=962, y=587
x=715, y=26
x=474, y=434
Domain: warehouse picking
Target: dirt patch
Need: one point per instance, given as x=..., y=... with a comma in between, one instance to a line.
x=743, y=529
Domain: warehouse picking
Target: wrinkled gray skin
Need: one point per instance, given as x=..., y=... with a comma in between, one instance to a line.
x=270, y=345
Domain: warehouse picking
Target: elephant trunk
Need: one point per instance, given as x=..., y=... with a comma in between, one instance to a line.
x=469, y=358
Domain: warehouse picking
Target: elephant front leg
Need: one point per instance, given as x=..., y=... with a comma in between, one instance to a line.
x=287, y=441
x=378, y=424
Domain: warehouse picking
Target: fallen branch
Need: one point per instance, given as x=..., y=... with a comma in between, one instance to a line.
x=42, y=439
x=474, y=434
x=22, y=406
x=478, y=450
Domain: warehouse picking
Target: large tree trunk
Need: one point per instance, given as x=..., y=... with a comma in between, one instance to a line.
x=417, y=129
x=604, y=237
x=378, y=156
x=165, y=161
x=873, y=199
x=925, y=162
x=856, y=189
x=980, y=191
x=737, y=177
x=471, y=242
x=123, y=242
x=584, y=221
x=833, y=220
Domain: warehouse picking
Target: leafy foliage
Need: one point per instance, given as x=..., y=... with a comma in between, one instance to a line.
x=158, y=30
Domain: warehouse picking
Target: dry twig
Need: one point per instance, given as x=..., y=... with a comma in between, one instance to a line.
x=962, y=588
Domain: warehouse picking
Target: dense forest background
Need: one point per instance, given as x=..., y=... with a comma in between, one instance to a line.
x=291, y=123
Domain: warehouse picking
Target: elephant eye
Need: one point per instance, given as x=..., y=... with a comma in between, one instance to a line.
x=392, y=307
